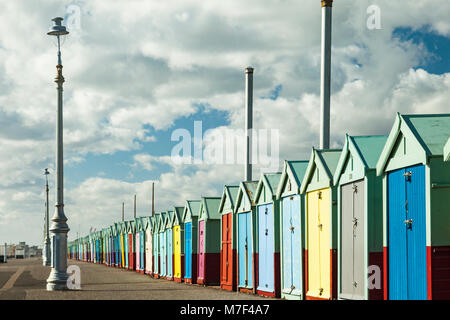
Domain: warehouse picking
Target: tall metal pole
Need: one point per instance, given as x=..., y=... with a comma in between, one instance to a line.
x=123, y=211
x=57, y=279
x=248, y=122
x=325, y=75
x=153, y=199
x=47, y=250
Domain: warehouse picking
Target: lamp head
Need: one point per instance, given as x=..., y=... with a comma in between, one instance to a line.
x=58, y=29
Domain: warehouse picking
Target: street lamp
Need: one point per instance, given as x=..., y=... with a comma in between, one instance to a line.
x=57, y=279
x=46, y=252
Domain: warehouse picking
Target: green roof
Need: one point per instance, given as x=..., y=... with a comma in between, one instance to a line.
x=447, y=151
x=230, y=192
x=330, y=159
x=273, y=179
x=251, y=187
x=211, y=207
x=430, y=129
x=194, y=206
x=298, y=168
x=370, y=148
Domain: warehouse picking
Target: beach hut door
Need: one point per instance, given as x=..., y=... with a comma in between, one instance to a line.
x=245, y=250
x=407, y=234
x=227, y=257
x=266, y=248
x=292, y=247
x=188, y=250
x=201, y=249
x=353, y=241
x=169, y=253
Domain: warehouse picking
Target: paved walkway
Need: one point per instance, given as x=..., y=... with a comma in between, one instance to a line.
x=26, y=279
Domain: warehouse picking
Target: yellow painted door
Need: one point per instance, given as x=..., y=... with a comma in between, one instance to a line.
x=319, y=229
x=177, y=251
x=121, y=247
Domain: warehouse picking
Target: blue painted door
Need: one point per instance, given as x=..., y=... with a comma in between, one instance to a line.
x=245, y=250
x=155, y=253
x=163, y=253
x=265, y=248
x=407, y=234
x=169, y=237
x=188, y=250
x=292, y=246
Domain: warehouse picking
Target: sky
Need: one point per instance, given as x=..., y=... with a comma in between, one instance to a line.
x=141, y=74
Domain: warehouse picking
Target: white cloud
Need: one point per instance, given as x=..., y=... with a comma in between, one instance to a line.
x=136, y=65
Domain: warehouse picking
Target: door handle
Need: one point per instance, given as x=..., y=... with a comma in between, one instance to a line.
x=292, y=228
x=267, y=232
x=409, y=223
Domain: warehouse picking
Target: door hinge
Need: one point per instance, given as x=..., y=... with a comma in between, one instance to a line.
x=320, y=226
x=320, y=194
x=355, y=222
x=320, y=291
x=355, y=284
x=267, y=232
x=355, y=188
x=292, y=228
x=265, y=211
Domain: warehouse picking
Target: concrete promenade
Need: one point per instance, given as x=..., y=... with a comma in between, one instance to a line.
x=26, y=279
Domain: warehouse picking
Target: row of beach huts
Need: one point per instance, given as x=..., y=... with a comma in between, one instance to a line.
x=369, y=221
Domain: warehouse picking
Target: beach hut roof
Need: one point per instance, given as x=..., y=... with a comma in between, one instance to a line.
x=169, y=219
x=162, y=221
x=177, y=217
x=429, y=131
x=366, y=149
x=270, y=181
x=325, y=159
x=247, y=189
x=191, y=209
x=230, y=193
x=293, y=171
x=209, y=208
x=447, y=151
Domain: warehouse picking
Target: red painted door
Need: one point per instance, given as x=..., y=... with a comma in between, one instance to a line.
x=201, y=249
x=130, y=252
x=227, y=254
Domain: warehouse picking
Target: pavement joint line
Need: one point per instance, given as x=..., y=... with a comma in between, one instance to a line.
x=10, y=283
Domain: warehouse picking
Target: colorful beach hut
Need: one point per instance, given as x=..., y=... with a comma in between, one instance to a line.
x=321, y=224
x=140, y=243
x=228, y=238
x=292, y=229
x=268, y=230
x=162, y=246
x=178, y=244
x=148, y=226
x=416, y=202
x=190, y=218
x=208, y=272
x=169, y=245
x=247, y=249
x=360, y=219
x=131, y=245
x=156, y=257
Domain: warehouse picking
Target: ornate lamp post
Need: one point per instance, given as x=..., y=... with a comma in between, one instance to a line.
x=46, y=252
x=57, y=279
